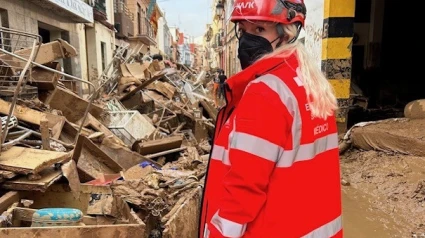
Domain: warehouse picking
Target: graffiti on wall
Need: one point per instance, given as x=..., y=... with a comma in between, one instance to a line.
x=313, y=41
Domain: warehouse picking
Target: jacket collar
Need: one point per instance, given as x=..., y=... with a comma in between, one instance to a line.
x=238, y=82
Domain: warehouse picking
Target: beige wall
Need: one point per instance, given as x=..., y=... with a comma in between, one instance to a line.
x=132, y=6
x=25, y=16
x=95, y=36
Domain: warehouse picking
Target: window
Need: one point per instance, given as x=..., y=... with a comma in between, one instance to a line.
x=4, y=22
x=139, y=19
x=103, y=54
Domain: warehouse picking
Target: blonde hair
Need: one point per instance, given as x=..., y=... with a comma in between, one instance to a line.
x=320, y=94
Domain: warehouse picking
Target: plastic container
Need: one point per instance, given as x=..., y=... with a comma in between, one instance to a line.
x=56, y=217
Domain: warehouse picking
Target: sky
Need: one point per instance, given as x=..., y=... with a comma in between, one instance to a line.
x=191, y=16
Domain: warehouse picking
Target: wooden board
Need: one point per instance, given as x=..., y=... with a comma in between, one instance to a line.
x=92, y=161
x=104, y=231
x=155, y=146
x=164, y=88
x=71, y=105
x=44, y=79
x=30, y=161
x=7, y=200
x=184, y=222
x=32, y=116
x=48, y=177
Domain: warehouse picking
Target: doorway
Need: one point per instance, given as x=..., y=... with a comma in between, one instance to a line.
x=382, y=76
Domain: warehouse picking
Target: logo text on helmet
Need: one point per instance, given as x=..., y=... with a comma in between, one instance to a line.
x=243, y=5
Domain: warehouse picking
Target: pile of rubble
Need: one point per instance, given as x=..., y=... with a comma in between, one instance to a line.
x=132, y=153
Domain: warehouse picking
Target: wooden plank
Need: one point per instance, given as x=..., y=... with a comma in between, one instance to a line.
x=48, y=177
x=184, y=220
x=71, y=105
x=165, y=152
x=155, y=146
x=30, y=161
x=104, y=231
x=122, y=155
x=212, y=112
x=45, y=134
x=92, y=161
x=164, y=88
x=7, y=200
x=44, y=79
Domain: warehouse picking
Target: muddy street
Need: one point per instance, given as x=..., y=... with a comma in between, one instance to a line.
x=385, y=195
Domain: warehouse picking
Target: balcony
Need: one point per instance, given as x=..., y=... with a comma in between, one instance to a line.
x=123, y=20
x=145, y=32
x=99, y=10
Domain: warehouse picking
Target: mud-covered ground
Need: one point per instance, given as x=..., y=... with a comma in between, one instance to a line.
x=383, y=194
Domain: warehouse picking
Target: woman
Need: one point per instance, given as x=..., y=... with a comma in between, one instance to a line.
x=274, y=166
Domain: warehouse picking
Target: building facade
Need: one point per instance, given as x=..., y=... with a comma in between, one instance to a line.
x=53, y=19
x=164, y=38
x=145, y=24
x=100, y=38
x=184, y=50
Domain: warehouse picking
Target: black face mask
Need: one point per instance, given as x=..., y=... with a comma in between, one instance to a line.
x=252, y=47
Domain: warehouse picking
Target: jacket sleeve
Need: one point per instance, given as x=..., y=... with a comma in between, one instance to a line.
x=260, y=130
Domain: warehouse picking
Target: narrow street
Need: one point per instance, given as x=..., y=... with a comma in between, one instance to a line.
x=108, y=111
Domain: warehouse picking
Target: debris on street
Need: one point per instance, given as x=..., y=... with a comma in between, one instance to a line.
x=383, y=161
x=128, y=157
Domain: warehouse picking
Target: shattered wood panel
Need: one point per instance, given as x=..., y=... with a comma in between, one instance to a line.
x=104, y=231
x=44, y=79
x=184, y=222
x=200, y=130
x=210, y=109
x=48, y=177
x=124, y=71
x=136, y=70
x=155, y=146
x=30, y=161
x=121, y=155
x=134, y=101
x=164, y=88
x=71, y=105
x=92, y=161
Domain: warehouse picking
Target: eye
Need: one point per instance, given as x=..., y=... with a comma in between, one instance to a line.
x=259, y=29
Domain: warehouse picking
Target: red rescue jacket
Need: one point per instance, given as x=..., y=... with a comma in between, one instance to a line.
x=274, y=169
